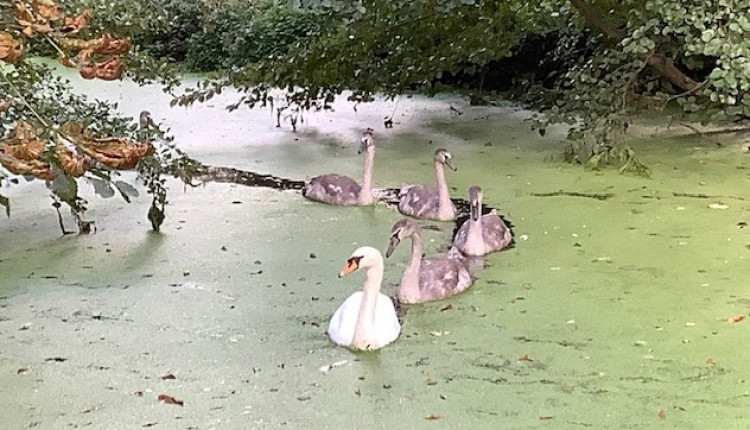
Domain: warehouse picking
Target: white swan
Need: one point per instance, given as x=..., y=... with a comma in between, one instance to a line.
x=427, y=279
x=482, y=234
x=342, y=190
x=430, y=202
x=367, y=319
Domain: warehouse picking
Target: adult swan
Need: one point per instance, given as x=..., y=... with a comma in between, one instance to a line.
x=367, y=319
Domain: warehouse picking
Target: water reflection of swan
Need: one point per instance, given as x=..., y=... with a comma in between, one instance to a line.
x=430, y=202
x=367, y=319
x=482, y=234
x=342, y=190
x=430, y=278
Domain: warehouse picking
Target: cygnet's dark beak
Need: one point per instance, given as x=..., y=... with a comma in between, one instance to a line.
x=450, y=166
x=475, y=210
x=363, y=143
x=392, y=244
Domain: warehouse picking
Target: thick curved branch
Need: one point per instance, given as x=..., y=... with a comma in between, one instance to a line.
x=660, y=62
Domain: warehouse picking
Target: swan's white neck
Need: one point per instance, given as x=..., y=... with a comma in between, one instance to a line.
x=408, y=291
x=445, y=205
x=366, y=318
x=365, y=193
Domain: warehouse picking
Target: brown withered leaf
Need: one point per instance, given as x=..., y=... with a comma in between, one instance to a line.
x=73, y=165
x=77, y=23
x=711, y=362
x=170, y=400
x=5, y=105
x=110, y=70
x=10, y=48
x=48, y=10
x=433, y=417
x=735, y=319
x=25, y=151
x=168, y=376
x=39, y=168
x=113, y=152
x=104, y=45
x=526, y=358
x=662, y=415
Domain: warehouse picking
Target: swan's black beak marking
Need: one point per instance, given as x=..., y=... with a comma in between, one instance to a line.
x=352, y=264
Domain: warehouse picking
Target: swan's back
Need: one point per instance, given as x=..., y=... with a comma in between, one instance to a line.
x=419, y=201
x=496, y=236
x=333, y=189
x=440, y=278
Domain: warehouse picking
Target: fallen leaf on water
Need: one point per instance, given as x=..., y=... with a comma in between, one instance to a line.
x=138, y=393
x=545, y=418
x=430, y=382
x=170, y=400
x=168, y=376
x=433, y=417
x=22, y=370
x=447, y=308
x=662, y=415
x=735, y=319
x=711, y=362
x=526, y=358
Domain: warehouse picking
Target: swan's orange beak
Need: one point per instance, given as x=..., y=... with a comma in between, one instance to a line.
x=352, y=264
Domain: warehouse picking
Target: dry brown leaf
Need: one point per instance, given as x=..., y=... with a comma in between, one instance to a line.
x=73, y=165
x=662, y=415
x=168, y=376
x=10, y=48
x=49, y=10
x=433, y=417
x=111, y=69
x=170, y=400
x=526, y=358
x=113, y=152
x=104, y=45
x=40, y=169
x=735, y=319
x=76, y=23
x=5, y=105
x=711, y=362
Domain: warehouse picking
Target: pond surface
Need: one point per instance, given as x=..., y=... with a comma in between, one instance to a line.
x=617, y=313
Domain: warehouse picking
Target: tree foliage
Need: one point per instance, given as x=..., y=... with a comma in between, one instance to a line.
x=610, y=60
x=50, y=133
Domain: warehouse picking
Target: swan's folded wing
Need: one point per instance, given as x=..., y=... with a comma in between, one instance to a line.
x=343, y=321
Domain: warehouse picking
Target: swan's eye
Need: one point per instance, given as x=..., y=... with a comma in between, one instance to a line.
x=353, y=262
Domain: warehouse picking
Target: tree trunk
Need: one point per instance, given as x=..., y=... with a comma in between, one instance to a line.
x=660, y=62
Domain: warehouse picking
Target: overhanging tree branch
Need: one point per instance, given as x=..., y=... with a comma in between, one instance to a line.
x=660, y=62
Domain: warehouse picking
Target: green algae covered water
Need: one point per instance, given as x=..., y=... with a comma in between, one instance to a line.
x=621, y=312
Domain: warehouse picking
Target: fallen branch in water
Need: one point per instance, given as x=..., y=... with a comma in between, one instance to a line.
x=705, y=196
x=598, y=196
